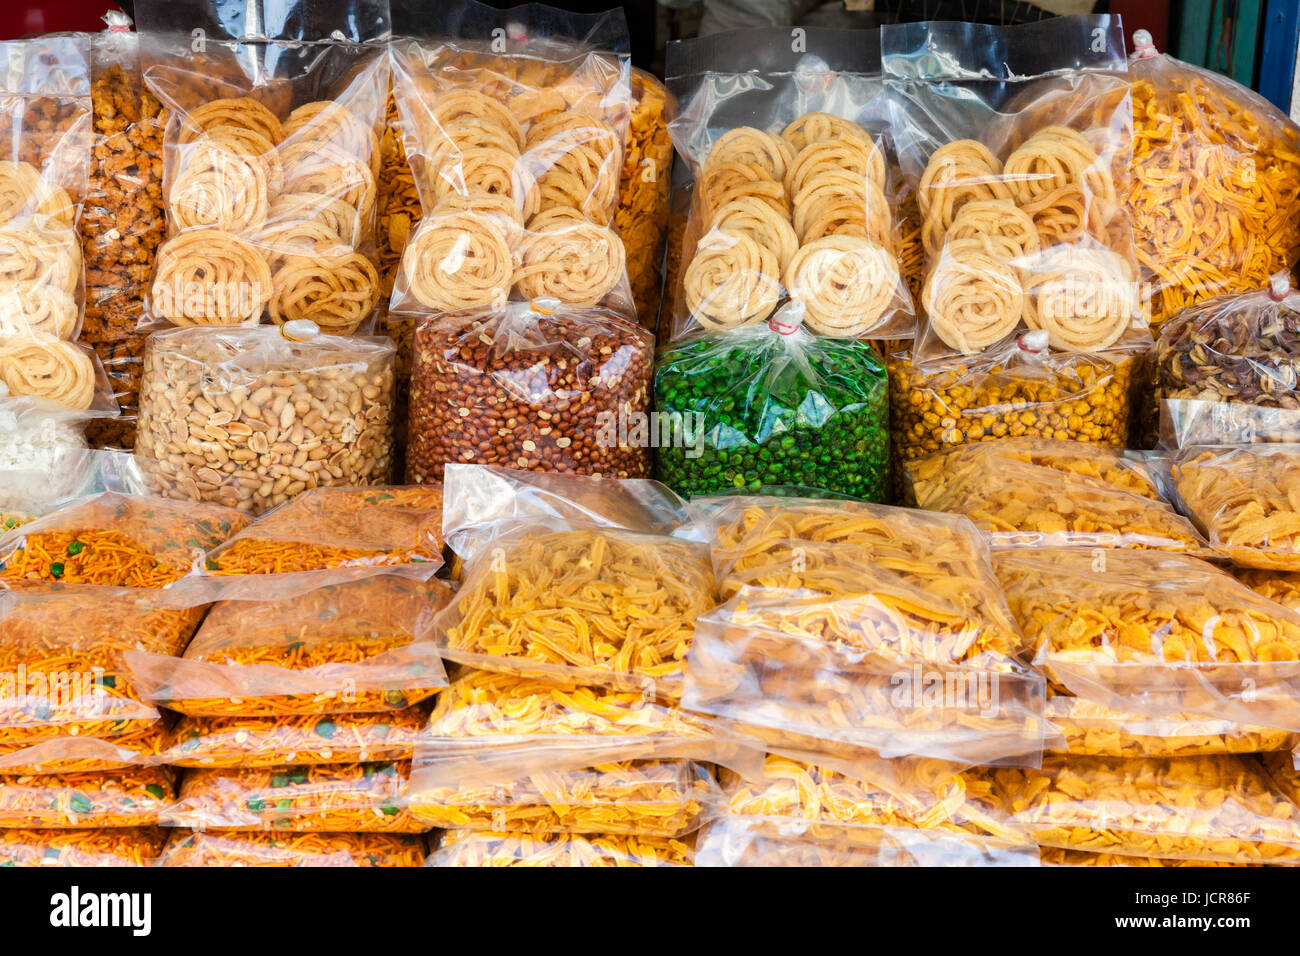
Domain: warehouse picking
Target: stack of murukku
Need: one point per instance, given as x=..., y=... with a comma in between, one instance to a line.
x=804, y=213
x=518, y=176
x=269, y=215
x=572, y=624
x=79, y=740
x=1214, y=195
x=302, y=693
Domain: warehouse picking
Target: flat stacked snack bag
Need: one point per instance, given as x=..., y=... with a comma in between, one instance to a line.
x=1018, y=141
x=44, y=163
x=1246, y=498
x=793, y=184
x=1227, y=370
x=85, y=848
x=514, y=124
x=478, y=848
x=272, y=155
x=1036, y=491
x=1207, y=152
x=335, y=850
x=842, y=626
x=1280, y=586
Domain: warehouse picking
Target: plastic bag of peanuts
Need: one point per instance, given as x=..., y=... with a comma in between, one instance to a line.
x=796, y=191
x=271, y=158
x=532, y=385
x=1017, y=141
x=514, y=124
x=250, y=417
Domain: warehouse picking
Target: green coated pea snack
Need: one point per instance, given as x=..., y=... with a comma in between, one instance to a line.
x=773, y=405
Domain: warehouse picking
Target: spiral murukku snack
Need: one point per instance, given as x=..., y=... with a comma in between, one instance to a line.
x=570, y=259
x=37, y=309
x=335, y=850
x=1247, y=500
x=1054, y=158
x=770, y=154
x=603, y=606
x=241, y=112
x=45, y=367
x=821, y=127
x=337, y=292
x=484, y=848
x=861, y=160
x=1198, y=808
x=326, y=121
x=1006, y=231
x=732, y=280
x=210, y=277
x=219, y=187
x=959, y=172
x=973, y=299
x=296, y=211
x=458, y=261
x=1085, y=299
x=845, y=283
x=767, y=227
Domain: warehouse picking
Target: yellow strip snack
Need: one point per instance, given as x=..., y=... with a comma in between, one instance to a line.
x=1280, y=586
x=127, y=798
x=358, y=646
x=115, y=541
x=479, y=848
x=596, y=605
x=1195, y=808
x=339, y=528
x=1087, y=728
x=195, y=848
x=665, y=798
x=284, y=740
x=1021, y=503
x=63, y=652
x=124, y=846
x=1247, y=500
x=1055, y=856
x=1159, y=634
x=330, y=798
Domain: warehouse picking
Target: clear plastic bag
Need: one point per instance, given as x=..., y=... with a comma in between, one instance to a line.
x=1207, y=151
x=46, y=442
x=1226, y=368
x=284, y=740
x=850, y=625
x=1055, y=856
x=1021, y=503
x=1247, y=501
x=1155, y=634
x=115, y=540
x=248, y=418
x=735, y=841
x=794, y=197
x=126, y=846
x=514, y=124
x=63, y=669
x=773, y=405
x=196, y=848
x=271, y=157
x=329, y=798
x=337, y=534
x=359, y=646
x=642, y=214
x=478, y=848
x=127, y=798
x=533, y=385
x=1086, y=728
x=1280, y=586
x=78, y=754
x=489, y=729
x=1195, y=808
x=1018, y=140
x=665, y=798
x=1023, y=390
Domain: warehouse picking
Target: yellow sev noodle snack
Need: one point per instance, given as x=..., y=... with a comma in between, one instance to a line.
x=116, y=541
x=333, y=528
x=857, y=625
x=113, y=847
x=1020, y=502
x=284, y=740
x=127, y=798
x=62, y=661
x=193, y=848
x=665, y=798
x=1155, y=634
x=1280, y=586
x=478, y=848
x=1247, y=500
x=341, y=798
x=491, y=728
x=355, y=646
x=599, y=605
x=1087, y=728
x=1203, y=808
x=1214, y=195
